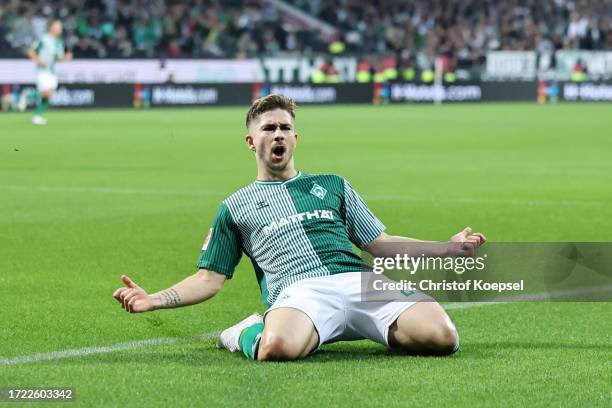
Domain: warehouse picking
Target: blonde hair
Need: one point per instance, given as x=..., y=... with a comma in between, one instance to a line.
x=268, y=103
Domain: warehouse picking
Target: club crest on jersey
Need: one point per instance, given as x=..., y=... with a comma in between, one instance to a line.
x=207, y=239
x=318, y=191
x=295, y=218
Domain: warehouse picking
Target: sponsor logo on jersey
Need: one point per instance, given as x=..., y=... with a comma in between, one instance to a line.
x=207, y=240
x=318, y=191
x=293, y=219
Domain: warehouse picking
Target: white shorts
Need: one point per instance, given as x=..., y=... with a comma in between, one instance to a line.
x=46, y=81
x=337, y=311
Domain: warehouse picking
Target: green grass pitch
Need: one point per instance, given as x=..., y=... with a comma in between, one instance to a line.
x=96, y=194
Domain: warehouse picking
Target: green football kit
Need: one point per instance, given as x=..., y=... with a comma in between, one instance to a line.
x=49, y=49
x=298, y=234
x=291, y=230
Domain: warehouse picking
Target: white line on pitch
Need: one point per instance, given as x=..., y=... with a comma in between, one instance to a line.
x=532, y=297
x=131, y=345
x=86, y=351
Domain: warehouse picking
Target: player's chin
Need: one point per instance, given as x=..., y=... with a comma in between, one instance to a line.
x=279, y=164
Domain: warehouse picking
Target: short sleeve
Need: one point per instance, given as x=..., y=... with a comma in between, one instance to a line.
x=223, y=245
x=361, y=224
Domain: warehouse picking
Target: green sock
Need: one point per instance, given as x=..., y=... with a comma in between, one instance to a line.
x=42, y=106
x=249, y=340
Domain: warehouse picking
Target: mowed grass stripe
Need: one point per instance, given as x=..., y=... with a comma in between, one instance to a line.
x=138, y=344
x=87, y=351
x=131, y=345
x=221, y=194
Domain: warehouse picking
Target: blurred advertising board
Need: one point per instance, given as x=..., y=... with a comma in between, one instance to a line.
x=529, y=65
x=500, y=66
x=586, y=92
x=598, y=64
x=510, y=65
x=290, y=69
x=457, y=92
x=23, y=71
x=145, y=95
x=318, y=94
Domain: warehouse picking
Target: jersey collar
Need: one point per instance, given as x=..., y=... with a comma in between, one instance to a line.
x=268, y=182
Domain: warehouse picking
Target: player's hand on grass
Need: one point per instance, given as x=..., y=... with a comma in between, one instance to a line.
x=133, y=298
x=465, y=243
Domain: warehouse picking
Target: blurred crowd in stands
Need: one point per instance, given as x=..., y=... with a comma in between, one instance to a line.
x=465, y=30
x=149, y=28
x=415, y=32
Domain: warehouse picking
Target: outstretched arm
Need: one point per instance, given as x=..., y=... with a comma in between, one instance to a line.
x=463, y=243
x=196, y=288
x=366, y=231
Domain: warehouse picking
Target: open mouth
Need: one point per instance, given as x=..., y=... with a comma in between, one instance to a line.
x=278, y=153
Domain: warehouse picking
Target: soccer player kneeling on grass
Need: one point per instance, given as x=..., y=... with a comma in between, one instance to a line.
x=297, y=229
x=46, y=52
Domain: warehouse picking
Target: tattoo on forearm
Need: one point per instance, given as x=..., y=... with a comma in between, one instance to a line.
x=170, y=297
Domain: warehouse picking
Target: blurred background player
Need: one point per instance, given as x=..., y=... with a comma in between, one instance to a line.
x=48, y=50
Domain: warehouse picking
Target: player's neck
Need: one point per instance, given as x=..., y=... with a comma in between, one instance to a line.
x=264, y=174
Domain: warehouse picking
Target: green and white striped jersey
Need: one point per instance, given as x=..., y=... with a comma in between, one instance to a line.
x=49, y=49
x=291, y=230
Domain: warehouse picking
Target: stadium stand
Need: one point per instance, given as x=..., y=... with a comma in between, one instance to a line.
x=414, y=31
